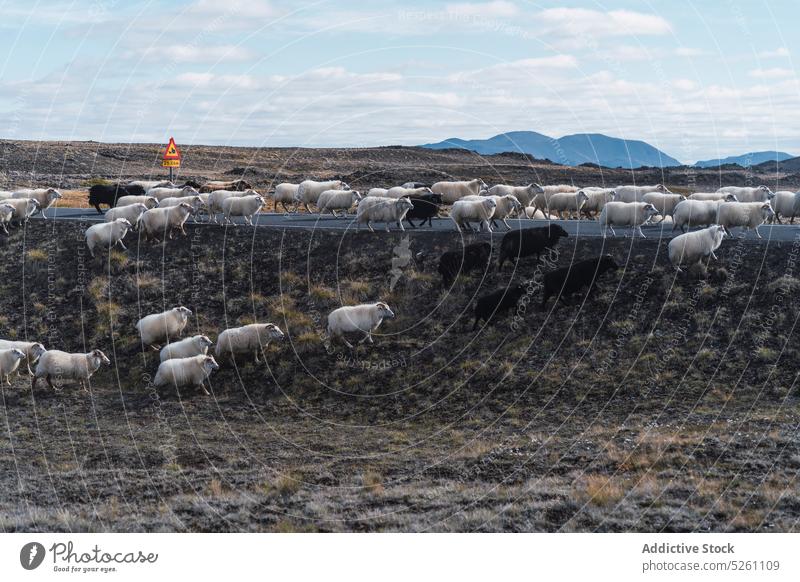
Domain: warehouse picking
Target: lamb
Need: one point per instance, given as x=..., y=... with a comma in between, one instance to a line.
x=698, y=212
x=636, y=193
x=32, y=350
x=633, y=214
x=161, y=327
x=496, y=303
x=24, y=208
x=231, y=186
x=384, y=210
x=6, y=214
x=453, y=191
x=161, y=193
x=180, y=372
x=424, y=208
x=100, y=194
x=566, y=202
x=596, y=199
x=248, y=339
x=749, y=215
x=246, y=206
x=107, y=234
x=197, y=345
x=465, y=211
x=664, y=203
x=786, y=203
x=148, y=201
x=748, y=194
x=309, y=190
x=63, y=365
x=44, y=196
x=9, y=362
x=472, y=257
x=285, y=193
x=692, y=247
x=400, y=191
x=525, y=194
x=572, y=279
x=364, y=318
x=529, y=241
x=333, y=200
x=163, y=221
x=217, y=197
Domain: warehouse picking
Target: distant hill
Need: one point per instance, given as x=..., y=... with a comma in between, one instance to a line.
x=571, y=150
x=788, y=166
x=746, y=160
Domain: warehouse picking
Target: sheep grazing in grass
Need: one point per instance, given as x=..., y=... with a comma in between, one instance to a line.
x=107, y=234
x=525, y=194
x=748, y=215
x=64, y=366
x=132, y=213
x=357, y=319
x=529, y=241
x=101, y=194
x=285, y=193
x=24, y=208
x=465, y=211
x=692, y=212
x=6, y=214
x=749, y=194
x=786, y=204
x=333, y=200
x=310, y=190
x=9, y=362
x=181, y=372
x=473, y=257
x=197, y=345
x=44, y=196
x=245, y=206
x=636, y=193
x=692, y=247
x=664, y=203
x=424, y=208
x=160, y=328
x=633, y=214
x=384, y=210
x=497, y=303
x=453, y=191
x=32, y=350
x=148, y=201
x=595, y=201
x=246, y=340
x=569, y=280
x=161, y=222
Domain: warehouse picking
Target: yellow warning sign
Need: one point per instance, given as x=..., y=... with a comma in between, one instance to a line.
x=172, y=153
x=170, y=163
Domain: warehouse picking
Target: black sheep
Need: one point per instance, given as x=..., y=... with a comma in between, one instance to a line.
x=497, y=302
x=425, y=208
x=108, y=194
x=569, y=280
x=474, y=256
x=529, y=241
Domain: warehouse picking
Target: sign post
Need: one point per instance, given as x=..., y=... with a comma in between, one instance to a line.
x=172, y=157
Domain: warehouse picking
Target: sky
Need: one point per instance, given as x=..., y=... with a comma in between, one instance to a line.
x=698, y=79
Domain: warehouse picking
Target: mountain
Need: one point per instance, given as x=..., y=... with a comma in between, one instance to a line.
x=746, y=160
x=789, y=166
x=571, y=150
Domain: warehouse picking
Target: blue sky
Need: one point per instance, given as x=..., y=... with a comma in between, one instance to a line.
x=697, y=79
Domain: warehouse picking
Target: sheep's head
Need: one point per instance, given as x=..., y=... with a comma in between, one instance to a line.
x=766, y=210
x=404, y=203
x=383, y=310
x=731, y=198
x=516, y=205
x=6, y=208
x=650, y=210
x=557, y=231
x=204, y=341
x=186, y=207
x=124, y=223
x=489, y=203
x=210, y=364
x=535, y=188
x=53, y=194
x=17, y=354
x=274, y=332
x=151, y=202
x=189, y=191
x=581, y=198
x=662, y=188
x=37, y=350
x=260, y=200
x=184, y=312
x=345, y=185
x=607, y=263
x=719, y=231
x=98, y=355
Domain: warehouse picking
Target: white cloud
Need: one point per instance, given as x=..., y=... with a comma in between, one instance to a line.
x=495, y=9
x=777, y=53
x=581, y=21
x=686, y=51
x=191, y=53
x=773, y=73
x=235, y=8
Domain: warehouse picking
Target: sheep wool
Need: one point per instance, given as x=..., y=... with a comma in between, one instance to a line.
x=180, y=372
x=364, y=319
x=248, y=339
x=161, y=327
x=66, y=366
x=691, y=248
x=197, y=345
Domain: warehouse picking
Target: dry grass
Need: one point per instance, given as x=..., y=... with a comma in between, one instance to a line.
x=74, y=199
x=601, y=490
x=37, y=255
x=373, y=482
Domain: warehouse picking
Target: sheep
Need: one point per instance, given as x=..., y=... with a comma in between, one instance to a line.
x=32, y=350
x=44, y=196
x=496, y=303
x=664, y=203
x=147, y=184
x=63, y=365
x=6, y=195
x=749, y=215
x=217, y=197
x=378, y=192
x=196, y=202
x=559, y=189
x=415, y=185
x=24, y=208
x=285, y=193
x=465, y=211
x=529, y=241
x=246, y=206
x=309, y=190
x=692, y=247
x=400, y=191
x=161, y=327
x=505, y=206
x=333, y=200
x=232, y=186
x=566, y=202
x=180, y=372
x=100, y=194
x=636, y=193
x=633, y=214
x=163, y=221
x=197, y=345
x=425, y=207
x=709, y=196
x=364, y=318
x=384, y=210
x=748, y=194
x=786, y=203
x=473, y=256
x=132, y=213
x=161, y=193
x=6, y=214
x=148, y=201
x=9, y=362
x=107, y=234
x=596, y=199
x=572, y=279
x=698, y=212
x=525, y=194
x=453, y=191
x=542, y=199
x=248, y=339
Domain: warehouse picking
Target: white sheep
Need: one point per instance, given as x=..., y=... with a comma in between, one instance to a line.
x=107, y=234
x=32, y=350
x=378, y=193
x=787, y=204
x=148, y=184
x=633, y=214
x=285, y=193
x=474, y=210
x=400, y=191
x=596, y=199
x=525, y=194
x=217, y=197
x=698, y=212
x=66, y=366
x=44, y=196
x=132, y=213
x=9, y=362
x=386, y=210
x=333, y=200
x=6, y=214
x=148, y=201
x=691, y=248
x=309, y=190
x=636, y=193
x=452, y=191
x=160, y=193
x=24, y=208
x=749, y=194
x=162, y=221
x=664, y=203
x=197, y=345
x=246, y=206
x=363, y=319
x=542, y=199
x=159, y=328
x=568, y=202
x=709, y=196
x=749, y=215
x=247, y=339
x=505, y=206
x=180, y=372
x=196, y=202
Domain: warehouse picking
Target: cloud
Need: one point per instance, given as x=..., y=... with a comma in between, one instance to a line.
x=774, y=73
x=191, y=53
x=495, y=9
x=581, y=21
x=237, y=8
x=686, y=51
x=777, y=53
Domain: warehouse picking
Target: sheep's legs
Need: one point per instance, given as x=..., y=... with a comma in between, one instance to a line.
x=119, y=242
x=639, y=230
x=256, y=354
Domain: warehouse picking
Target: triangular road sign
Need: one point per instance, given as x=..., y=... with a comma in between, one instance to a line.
x=172, y=153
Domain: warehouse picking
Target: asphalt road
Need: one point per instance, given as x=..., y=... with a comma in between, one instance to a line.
x=583, y=228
